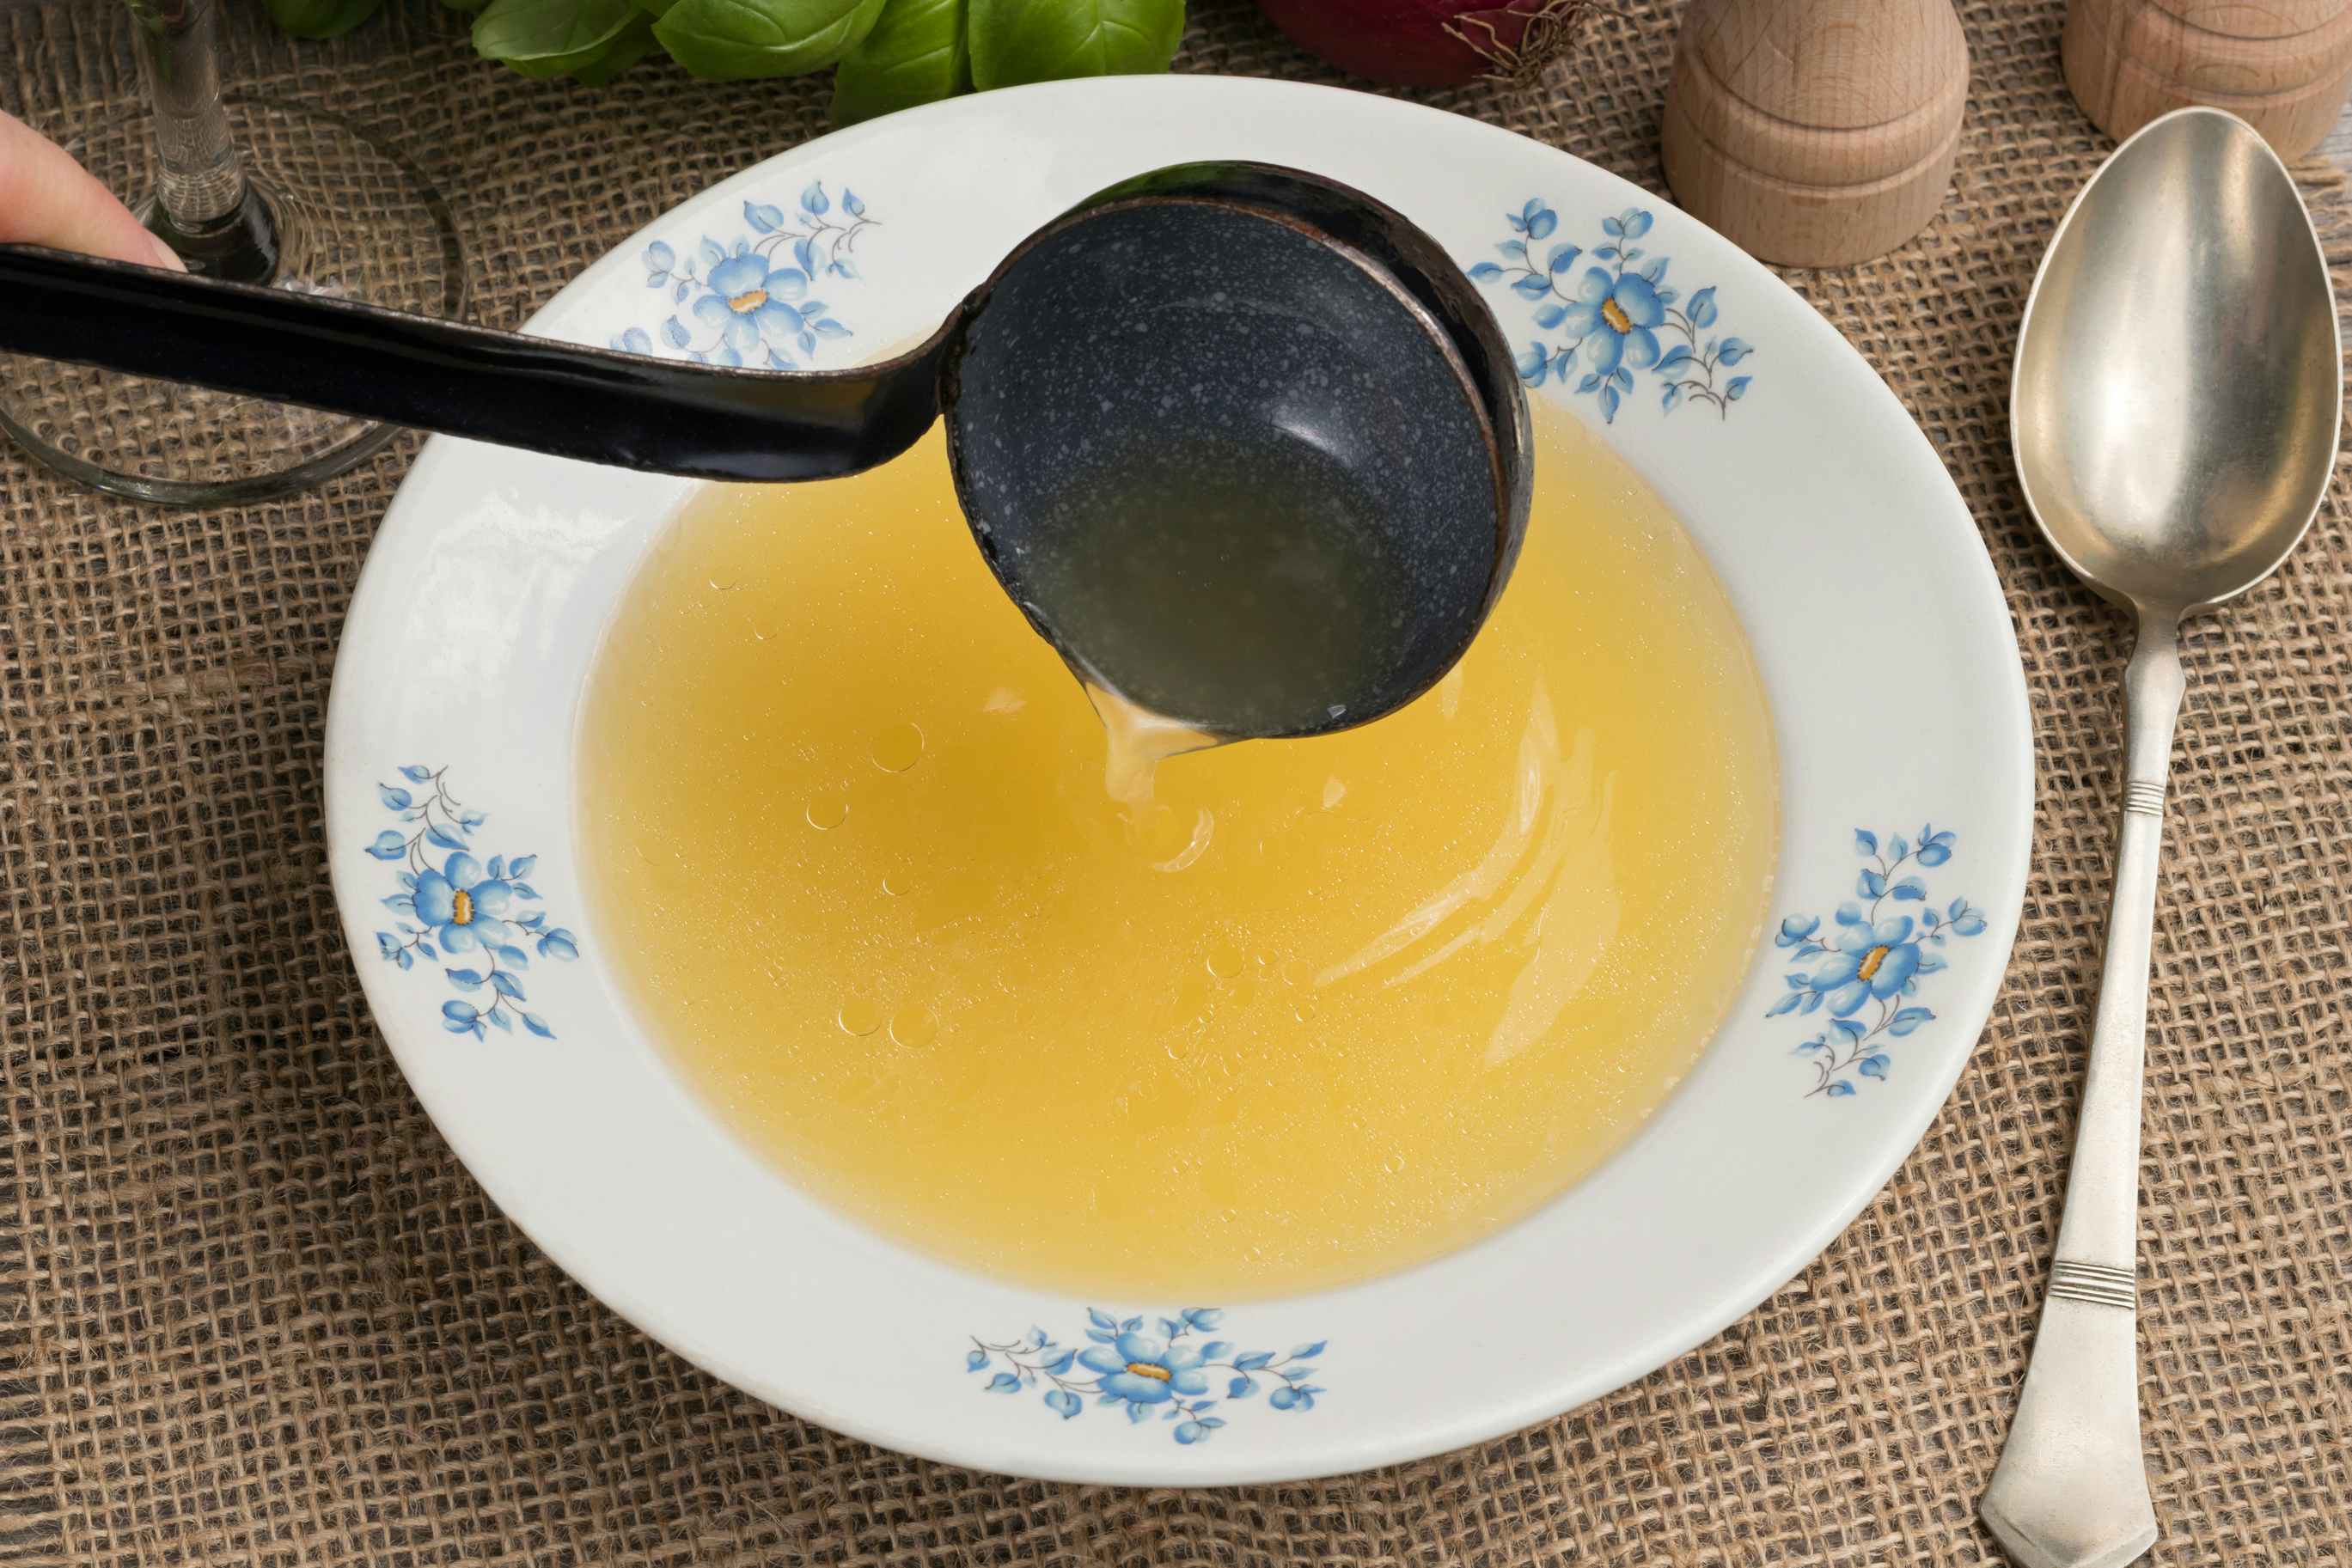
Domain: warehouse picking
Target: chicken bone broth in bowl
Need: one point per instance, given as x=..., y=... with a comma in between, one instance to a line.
x=739, y=883
x=1296, y=1013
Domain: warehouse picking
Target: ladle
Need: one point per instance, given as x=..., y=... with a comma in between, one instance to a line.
x=1242, y=442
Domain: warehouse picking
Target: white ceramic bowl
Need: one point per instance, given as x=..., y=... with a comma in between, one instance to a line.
x=1875, y=615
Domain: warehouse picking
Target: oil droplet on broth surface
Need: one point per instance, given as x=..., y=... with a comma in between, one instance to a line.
x=914, y=1025
x=898, y=749
x=1172, y=840
x=1507, y=943
x=1191, y=996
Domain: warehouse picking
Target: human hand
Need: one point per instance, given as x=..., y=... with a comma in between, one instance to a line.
x=46, y=198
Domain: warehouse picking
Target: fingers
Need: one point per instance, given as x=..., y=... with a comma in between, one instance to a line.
x=46, y=198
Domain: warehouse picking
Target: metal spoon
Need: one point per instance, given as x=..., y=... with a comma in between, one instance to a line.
x=2174, y=414
x=1243, y=443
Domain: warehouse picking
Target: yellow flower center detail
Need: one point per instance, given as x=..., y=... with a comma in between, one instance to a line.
x=1870, y=962
x=462, y=910
x=1614, y=313
x=743, y=303
x=1146, y=1369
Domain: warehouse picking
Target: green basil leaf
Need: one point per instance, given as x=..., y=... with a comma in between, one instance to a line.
x=550, y=38
x=655, y=7
x=914, y=55
x=730, y=39
x=622, y=52
x=321, y=18
x=1016, y=41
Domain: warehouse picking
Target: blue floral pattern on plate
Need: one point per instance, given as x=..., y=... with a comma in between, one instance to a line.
x=1165, y=1370
x=1619, y=315
x=1869, y=967
x=460, y=908
x=748, y=302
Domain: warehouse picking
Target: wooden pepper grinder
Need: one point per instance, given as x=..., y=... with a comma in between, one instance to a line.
x=1815, y=132
x=2283, y=67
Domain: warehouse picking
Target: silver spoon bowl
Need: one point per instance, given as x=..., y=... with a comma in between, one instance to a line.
x=2177, y=385
x=2175, y=414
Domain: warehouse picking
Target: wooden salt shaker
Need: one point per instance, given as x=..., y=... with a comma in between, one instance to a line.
x=2284, y=67
x=1815, y=132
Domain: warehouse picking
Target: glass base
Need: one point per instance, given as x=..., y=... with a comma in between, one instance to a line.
x=356, y=219
x=241, y=247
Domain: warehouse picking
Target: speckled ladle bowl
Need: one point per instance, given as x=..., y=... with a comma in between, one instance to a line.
x=1236, y=329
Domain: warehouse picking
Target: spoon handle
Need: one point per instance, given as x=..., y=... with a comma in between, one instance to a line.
x=626, y=411
x=2071, y=1490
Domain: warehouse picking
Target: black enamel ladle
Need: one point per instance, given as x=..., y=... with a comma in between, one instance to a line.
x=1242, y=442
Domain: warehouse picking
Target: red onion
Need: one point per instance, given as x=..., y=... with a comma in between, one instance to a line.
x=1430, y=43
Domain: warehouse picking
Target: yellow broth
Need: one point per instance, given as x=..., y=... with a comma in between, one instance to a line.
x=1315, y=1010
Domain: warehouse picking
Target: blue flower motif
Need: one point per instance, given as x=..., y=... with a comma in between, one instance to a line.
x=751, y=302
x=1862, y=977
x=1146, y=1373
x=1144, y=1370
x=1613, y=316
x=464, y=907
x=1621, y=317
x=1872, y=960
x=462, y=903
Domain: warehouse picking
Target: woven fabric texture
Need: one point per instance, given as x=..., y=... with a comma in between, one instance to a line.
x=253, y=1311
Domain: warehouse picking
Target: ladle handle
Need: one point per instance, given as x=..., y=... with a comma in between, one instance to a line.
x=2071, y=1490
x=628, y=411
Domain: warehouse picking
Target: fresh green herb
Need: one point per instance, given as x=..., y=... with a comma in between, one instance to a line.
x=915, y=55
x=735, y=38
x=550, y=37
x=634, y=43
x=892, y=54
x=321, y=18
x=1016, y=41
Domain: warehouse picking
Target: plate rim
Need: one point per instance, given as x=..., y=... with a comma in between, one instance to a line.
x=1336, y=1450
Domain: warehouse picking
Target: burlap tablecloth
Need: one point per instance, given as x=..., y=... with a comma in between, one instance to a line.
x=252, y=1311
